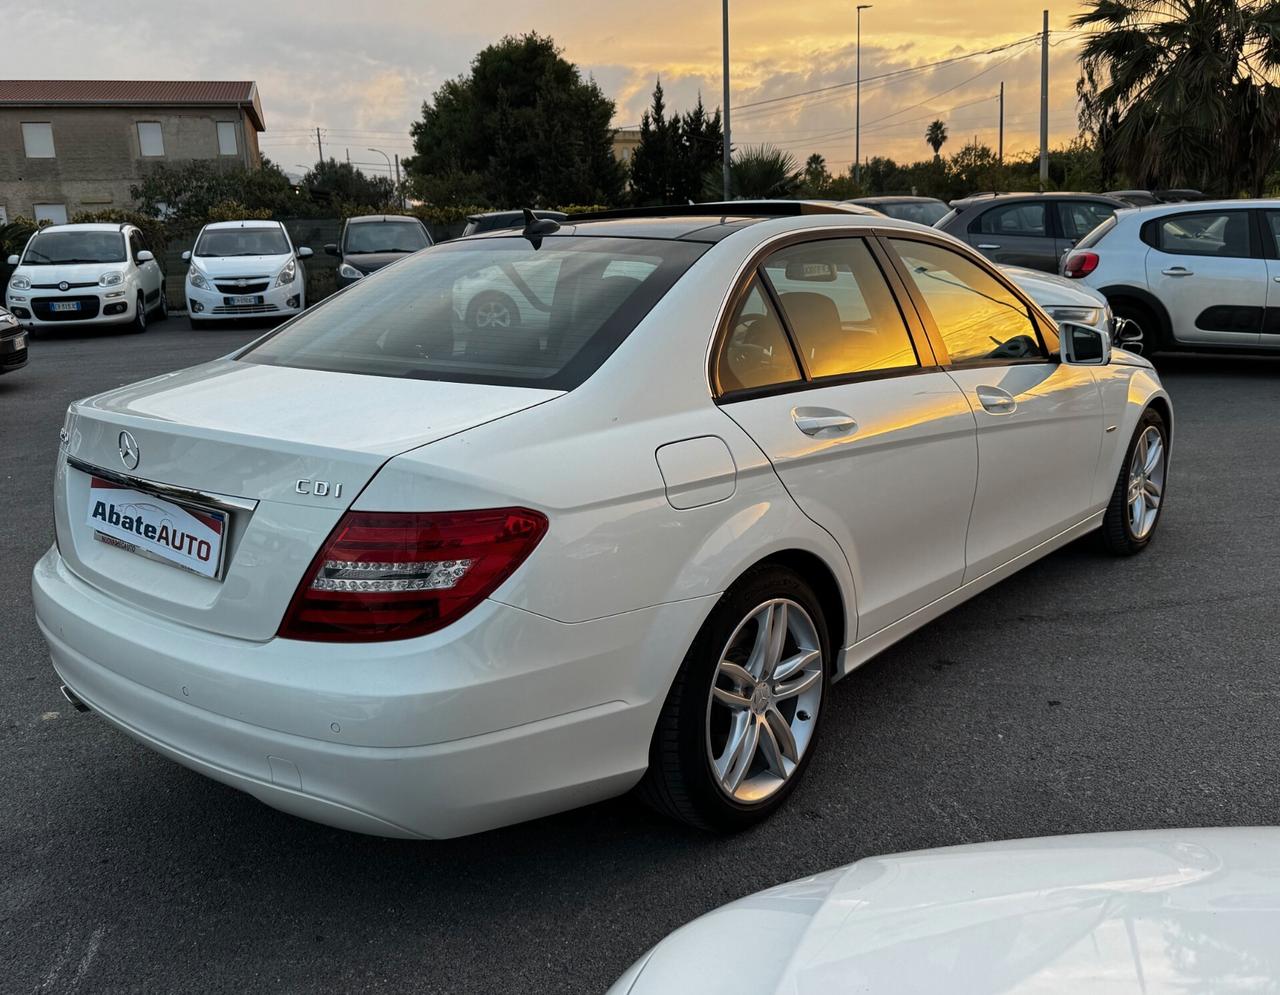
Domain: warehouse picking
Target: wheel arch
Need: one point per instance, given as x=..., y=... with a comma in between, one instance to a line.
x=819, y=575
x=1124, y=293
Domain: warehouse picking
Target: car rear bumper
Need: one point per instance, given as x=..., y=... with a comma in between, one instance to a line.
x=512, y=717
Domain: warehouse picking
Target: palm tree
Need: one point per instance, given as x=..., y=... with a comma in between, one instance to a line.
x=1180, y=92
x=758, y=172
x=936, y=136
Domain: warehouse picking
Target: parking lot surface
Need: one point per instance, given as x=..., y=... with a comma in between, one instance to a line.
x=1084, y=694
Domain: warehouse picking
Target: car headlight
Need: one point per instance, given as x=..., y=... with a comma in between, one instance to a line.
x=287, y=274
x=20, y=283
x=349, y=272
x=198, y=279
x=1081, y=315
x=111, y=279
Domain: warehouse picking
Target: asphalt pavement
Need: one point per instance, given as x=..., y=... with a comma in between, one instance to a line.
x=1084, y=694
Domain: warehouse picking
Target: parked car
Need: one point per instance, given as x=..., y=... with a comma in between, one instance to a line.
x=242, y=269
x=371, y=241
x=1027, y=229
x=1191, y=275
x=478, y=224
x=86, y=275
x=922, y=210
x=384, y=571
x=1148, y=198
x=13, y=343
x=1170, y=910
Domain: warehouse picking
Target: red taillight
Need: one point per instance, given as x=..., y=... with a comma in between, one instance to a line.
x=391, y=575
x=1080, y=264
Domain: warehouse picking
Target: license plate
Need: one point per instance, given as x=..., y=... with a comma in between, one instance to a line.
x=180, y=535
x=240, y=301
x=65, y=306
x=20, y=341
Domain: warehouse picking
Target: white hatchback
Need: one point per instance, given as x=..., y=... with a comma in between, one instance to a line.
x=86, y=274
x=245, y=269
x=393, y=572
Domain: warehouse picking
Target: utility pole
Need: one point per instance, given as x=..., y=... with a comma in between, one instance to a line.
x=727, y=146
x=857, y=102
x=348, y=157
x=1000, y=153
x=319, y=147
x=1044, y=104
x=399, y=188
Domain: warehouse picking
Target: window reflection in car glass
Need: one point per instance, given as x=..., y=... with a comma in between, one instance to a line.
x=1211, y=233
x=840, y=308
x=978, y=319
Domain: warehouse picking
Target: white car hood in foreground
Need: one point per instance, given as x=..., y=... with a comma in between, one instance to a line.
x=1165, y=911
x=1050, y=290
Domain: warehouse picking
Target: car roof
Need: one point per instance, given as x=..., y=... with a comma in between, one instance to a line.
x=985, y=198
x=517, y=213
x=366, y=219
x=217, y=225
x=94, y=226
x=906, y=198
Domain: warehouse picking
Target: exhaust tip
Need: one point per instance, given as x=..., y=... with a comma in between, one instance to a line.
x=76, y=703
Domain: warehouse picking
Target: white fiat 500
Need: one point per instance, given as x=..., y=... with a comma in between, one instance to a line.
x=396, y=573
x=242, y=269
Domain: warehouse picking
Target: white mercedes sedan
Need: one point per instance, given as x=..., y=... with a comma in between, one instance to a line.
x=399, y=574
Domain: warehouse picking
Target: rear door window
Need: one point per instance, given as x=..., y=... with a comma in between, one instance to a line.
x=756, y=352
x=493, y=310
x=1205, y=233
x=1027, y=218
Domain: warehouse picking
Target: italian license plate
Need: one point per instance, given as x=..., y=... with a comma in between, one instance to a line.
x=20, y=341
x=65, y=306
x=242, y=300
x=180, y=535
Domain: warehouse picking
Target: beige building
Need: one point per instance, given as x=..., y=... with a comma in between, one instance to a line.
x=625, y=141
x=78, y=145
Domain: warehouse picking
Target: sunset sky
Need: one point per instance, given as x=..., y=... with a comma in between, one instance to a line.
x=360, y=72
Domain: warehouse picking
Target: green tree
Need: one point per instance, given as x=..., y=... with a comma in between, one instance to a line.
x=1181, y=93
x=330, y=180
x=936, y=136
x=655, y=159
x=188, y=192
x=815, y=179
x=523, y=128
x=701, y=151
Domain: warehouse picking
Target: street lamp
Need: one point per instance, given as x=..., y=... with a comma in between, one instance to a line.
x=389, y=174
x=728, y=148
x=857, y=104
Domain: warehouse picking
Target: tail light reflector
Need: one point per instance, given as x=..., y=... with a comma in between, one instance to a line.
x=393, y=575
x=1080, y=264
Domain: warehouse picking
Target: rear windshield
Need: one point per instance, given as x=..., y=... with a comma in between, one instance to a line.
x=492, y=310
x=242, y=242
x=922, y=212
x=48, y=248
x=385, y=236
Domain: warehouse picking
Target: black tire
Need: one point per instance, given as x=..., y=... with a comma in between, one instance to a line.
x=162, y=306
x=484, y=309
x=1117, y=534
x=1144, y=319
x=139, y=323
x=680, y=781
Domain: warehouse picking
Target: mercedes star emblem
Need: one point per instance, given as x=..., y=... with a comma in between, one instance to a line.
x=129, y=451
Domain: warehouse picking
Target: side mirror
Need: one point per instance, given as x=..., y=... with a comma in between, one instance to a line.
x=13, y=260
x=145, y=256
x=304, y=252
x=186, y=256
x=331, y=248
x=1083, y=345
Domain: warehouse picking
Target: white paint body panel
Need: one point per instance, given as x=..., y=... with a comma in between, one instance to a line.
x=1193, y=910
x=457, y=731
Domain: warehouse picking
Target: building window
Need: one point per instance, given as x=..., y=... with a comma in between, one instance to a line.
x=150, y=138
x=38, y=139
x=53, y=213
x=4, y=215
x=227, y=138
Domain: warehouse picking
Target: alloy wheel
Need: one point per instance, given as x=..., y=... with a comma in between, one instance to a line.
x=493, y=314
x=1146, y=482
x=764, y=701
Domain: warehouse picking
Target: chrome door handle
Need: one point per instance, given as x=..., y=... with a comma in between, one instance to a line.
x=823, y=425
x=997, y=401
x=988, y=245
x=1177, y=271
